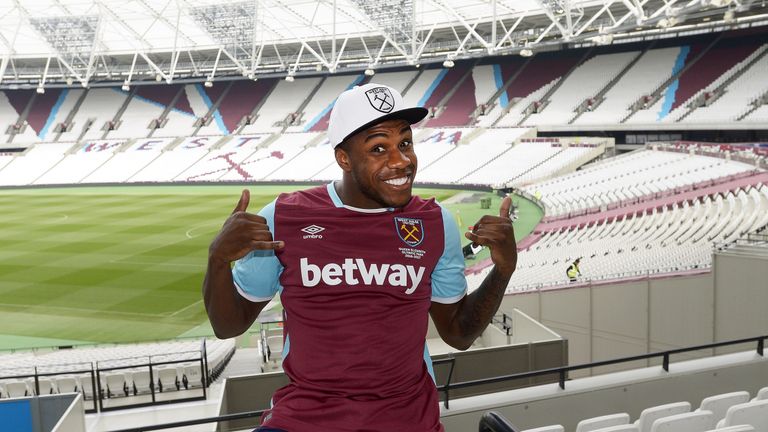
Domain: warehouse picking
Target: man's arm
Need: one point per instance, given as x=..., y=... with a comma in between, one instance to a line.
x=229, y=312
x=460, y=323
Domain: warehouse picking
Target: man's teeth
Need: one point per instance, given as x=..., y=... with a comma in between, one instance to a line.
x=397, y=182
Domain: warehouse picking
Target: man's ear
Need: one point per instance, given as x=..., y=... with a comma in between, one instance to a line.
x=342, y=158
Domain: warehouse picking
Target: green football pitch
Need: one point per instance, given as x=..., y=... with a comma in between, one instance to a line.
x=118, y=264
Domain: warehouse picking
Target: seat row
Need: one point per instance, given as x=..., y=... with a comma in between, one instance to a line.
x=727, y=412
x=113, y=384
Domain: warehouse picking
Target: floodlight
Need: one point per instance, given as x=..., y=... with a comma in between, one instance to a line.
x=448, y=63
x=526, y=52
x=40, y=90
x=289, y=78
x=370, y=72
x=126, y=86
x=208, y=83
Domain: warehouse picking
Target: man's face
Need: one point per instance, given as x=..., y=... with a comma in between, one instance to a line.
x=382, y=164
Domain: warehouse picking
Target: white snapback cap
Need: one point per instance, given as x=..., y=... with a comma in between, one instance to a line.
x=361, y=107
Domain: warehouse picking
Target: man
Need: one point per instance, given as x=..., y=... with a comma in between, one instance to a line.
x=573, y=271
x=359, y=265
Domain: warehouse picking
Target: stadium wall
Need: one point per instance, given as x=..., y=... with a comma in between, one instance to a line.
x=740, y=307
x=622, y=319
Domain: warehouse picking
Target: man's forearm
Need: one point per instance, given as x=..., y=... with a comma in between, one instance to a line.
x=229, y=313
x=480, y=306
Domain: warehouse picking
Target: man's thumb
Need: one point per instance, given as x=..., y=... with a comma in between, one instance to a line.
x=506, y=204
x=242, y=205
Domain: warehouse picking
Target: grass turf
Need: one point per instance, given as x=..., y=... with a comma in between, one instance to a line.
x=124, y=264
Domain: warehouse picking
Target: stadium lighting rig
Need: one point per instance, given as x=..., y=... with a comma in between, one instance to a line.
x=448, y=63
x=370, y=72
x=208, y=83
x=526, y=52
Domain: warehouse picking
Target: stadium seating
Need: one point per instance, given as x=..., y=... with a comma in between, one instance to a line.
x=678, y=417
x=719, y=404
x=585, y=81
x=595, y=423
x=686, y=422
x=631, y=176
x=318, y=107
x=286, y=98
x=619, y=428
x=736, y=98
x=643, y=78
x=36, y=161
x=751, y=413
x=739, y=428
x=664, y=238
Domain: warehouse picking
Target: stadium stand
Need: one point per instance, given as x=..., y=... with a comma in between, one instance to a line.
x=99, y=106
x=317, y=108
x=651, y=70
x=584, y=81
x=285, y=99
x=34, y=162
x=631, y=177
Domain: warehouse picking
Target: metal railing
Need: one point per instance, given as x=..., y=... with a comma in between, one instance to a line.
x=562, y=372
x=491, y=421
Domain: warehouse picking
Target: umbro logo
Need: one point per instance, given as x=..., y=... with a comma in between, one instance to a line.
x=313, y=232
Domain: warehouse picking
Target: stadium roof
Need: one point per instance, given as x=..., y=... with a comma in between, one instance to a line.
x=93, y=42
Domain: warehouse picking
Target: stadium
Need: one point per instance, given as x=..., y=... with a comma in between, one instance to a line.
x=632, y=135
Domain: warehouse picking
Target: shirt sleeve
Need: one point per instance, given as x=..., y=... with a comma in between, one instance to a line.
x=448, y=282
x=257, y=275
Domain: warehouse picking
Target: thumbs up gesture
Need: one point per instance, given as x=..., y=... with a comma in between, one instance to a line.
x=242, y=232
x=497, y=233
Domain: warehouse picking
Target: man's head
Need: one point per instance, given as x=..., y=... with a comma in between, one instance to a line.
x=370, y=129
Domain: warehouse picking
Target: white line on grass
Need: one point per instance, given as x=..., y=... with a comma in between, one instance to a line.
x=154, y=263
x=66, y=308
x=190, y=231
x=185, y=308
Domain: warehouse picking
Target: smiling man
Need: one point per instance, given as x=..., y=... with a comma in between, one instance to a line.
x=360, y=264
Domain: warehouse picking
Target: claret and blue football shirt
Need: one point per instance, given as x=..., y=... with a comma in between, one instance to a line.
x=356, y=286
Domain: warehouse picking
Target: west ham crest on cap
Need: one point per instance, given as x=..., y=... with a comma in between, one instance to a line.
x=411, y=231
x=381, y=99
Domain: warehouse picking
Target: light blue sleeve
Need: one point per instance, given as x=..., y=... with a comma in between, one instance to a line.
x=448, y=282
x=257, y=275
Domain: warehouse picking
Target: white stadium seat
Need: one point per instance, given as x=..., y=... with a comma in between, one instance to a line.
x=751, y=413
x=595, y=423
x=619, y=428
x=719, y=404
x=686, y=422
x=650, y=415
x=552, y=428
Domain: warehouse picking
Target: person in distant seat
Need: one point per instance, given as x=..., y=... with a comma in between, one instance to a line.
x=359, y=264
x=573, y=271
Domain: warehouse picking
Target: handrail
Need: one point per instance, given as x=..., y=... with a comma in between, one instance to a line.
x=563, y=371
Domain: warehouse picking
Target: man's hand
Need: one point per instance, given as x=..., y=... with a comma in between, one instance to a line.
x=242, y=232
x=496, y=232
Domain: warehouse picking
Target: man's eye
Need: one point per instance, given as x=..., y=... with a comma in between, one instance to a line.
x=406, y=143
x=378, y=149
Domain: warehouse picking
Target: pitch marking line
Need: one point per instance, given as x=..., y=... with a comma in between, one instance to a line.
x=185, y=308
x=72, y=309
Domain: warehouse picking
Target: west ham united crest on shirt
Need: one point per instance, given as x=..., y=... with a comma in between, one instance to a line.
x=356, y=287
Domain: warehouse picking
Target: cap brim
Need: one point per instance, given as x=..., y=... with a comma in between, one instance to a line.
x=411, y=115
